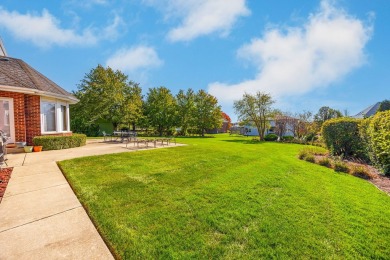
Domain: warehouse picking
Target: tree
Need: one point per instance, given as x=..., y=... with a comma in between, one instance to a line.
x=302, y=126
x=105, y=94
x=255, y=108
x=384, y=106
x=207, y=112
x=132, y=110
x=326, y=113
x=283, y=123
x=228, y=119
x=160, y=109
x=185, y=110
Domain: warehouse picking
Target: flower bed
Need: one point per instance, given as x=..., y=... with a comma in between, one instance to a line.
x=5, y=175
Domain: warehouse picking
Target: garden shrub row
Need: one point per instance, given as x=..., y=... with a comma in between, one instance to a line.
x=367, y=139
x=60, y=142
x=337, y=164
x=341, y=137
x=376, y=133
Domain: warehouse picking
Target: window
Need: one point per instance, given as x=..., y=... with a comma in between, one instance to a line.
x=49, y=117
x=7, y=117
x=64, y=118
x=54, y=117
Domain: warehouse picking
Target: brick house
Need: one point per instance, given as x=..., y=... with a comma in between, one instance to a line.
x=31, y=104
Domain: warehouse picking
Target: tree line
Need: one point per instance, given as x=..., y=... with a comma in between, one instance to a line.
x=256, y=109
x=108, y=95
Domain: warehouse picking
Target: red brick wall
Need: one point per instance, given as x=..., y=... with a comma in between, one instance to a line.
x=19, y=114
x=27, y=116
x=33, y=117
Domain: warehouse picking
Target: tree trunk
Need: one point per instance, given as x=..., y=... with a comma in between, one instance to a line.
x=115, y=125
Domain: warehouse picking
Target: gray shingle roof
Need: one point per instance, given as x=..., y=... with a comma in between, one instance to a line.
x=369, y=111
x=17, y=73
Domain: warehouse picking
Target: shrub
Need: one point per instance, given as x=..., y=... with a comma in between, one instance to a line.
x=340, y=166
x=361, y=172
x=310, y=158
x=288, y=138
x=341, y=137
x=377, y=134
x=310, y=137
x=325, y=162
x=302, y=154
x=60, y=142
x=271, y=137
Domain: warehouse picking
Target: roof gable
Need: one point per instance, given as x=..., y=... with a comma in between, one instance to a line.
x=369, y=111
x=16, y=73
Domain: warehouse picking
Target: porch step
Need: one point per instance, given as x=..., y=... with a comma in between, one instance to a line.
x=15, y=150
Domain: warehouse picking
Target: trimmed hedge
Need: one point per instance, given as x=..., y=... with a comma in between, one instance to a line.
x=377, y=134
x=271, y=137
x=341, y=137
x=60, y=142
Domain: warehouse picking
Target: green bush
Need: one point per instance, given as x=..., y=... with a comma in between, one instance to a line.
x=60, y=142
x=288, y=138
x=361, y=172
x=310, y=137
x=325, y=162
x=340, y=166
x=376, y=132
x=271, y=137
x=302, y=154
x=341, y=137
x=310, y=158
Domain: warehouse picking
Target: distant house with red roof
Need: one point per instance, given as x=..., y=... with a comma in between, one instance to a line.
x=30, y=103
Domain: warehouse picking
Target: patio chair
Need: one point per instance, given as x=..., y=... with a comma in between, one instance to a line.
x=106, y=136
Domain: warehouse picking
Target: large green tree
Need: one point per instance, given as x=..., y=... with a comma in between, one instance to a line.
x=185, y=110
x=256, y=109
x=160, y=109
x=207, y=113
x=132, y=110
x=384, y=106
x=326, y=113
x=106, y=94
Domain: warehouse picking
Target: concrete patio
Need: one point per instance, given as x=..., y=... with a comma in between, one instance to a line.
x=40, y=216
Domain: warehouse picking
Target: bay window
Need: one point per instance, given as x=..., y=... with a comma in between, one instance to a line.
x=54, y=116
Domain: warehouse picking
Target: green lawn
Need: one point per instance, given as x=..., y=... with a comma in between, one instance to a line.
x=228, y=197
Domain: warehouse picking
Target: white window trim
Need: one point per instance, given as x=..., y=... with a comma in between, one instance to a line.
x=11, y=117
x=58, y=119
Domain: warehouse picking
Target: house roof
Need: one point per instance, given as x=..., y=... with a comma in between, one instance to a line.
x=18, y=76
x=369, y=111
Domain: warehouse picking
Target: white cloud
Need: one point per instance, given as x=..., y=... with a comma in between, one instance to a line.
x=296, y=60
x=111, y=31
x=201, y=17
x=44, y=29
x=134, y=59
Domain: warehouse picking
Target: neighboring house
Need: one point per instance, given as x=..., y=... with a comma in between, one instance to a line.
x=369, y=111
x=222, y=129
x=251, y=130
x=31, y=104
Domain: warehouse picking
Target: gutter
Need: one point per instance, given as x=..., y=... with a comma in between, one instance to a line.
x=70, y=99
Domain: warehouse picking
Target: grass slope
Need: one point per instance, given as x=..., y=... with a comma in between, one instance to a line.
x=227, y=197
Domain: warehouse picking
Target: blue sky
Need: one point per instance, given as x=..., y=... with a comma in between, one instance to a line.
x=307, y=54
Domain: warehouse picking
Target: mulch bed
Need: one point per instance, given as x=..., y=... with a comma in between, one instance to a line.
x=381, y=181
x=5, y=175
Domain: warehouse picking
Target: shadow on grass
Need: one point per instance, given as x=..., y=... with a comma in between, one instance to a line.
x=244, y=141
x=194, y=137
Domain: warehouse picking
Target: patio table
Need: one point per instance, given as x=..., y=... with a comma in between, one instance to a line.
x=124, y=135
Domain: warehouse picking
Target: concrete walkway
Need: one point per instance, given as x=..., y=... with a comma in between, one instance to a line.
x=40, y=216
